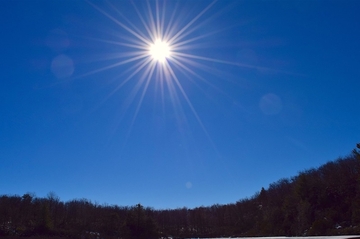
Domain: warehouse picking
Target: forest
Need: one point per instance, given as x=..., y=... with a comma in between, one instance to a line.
x=318, y=201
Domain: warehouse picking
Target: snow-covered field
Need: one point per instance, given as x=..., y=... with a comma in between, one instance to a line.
x=311, y=237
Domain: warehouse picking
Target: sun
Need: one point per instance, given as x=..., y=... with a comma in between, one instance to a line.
x=159, y=50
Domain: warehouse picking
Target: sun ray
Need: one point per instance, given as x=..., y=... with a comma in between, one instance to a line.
x=169, y=29
x=127, y=20
x=118, y=43
x=185, y=43
x=111, y=66
x=183, y=68
x=162, y=20
x=221, y=61
x=155, y=33
x=158, y=18
x=138, y=67
x=119, y=23
x=148, y=72
x=148, y=30
x=158, y=52
x=137, y=87
x=178, y=36
x=181, y=89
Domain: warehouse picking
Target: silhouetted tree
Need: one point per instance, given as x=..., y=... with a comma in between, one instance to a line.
x=322, y=201
x=138, y=225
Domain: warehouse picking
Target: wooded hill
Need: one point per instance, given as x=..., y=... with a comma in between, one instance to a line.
x=321, y=201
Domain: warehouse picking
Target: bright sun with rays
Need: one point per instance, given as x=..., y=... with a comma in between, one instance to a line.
x=159, y=50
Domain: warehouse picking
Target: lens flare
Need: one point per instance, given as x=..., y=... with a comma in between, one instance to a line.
x=159, y=44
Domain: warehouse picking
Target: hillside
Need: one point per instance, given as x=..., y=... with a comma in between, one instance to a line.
x=321, y=201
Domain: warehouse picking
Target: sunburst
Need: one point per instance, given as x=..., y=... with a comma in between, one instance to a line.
x=158, y=50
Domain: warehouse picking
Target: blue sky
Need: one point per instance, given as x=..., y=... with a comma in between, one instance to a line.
x=254, y=91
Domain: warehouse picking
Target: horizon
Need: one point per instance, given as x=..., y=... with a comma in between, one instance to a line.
x=238, y=95
x=52, y=194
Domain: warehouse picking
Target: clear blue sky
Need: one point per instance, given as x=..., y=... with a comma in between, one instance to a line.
x=263, y=90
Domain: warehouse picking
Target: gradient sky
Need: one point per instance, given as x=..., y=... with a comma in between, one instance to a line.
x=268, y=89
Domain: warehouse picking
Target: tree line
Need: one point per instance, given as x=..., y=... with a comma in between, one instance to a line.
x=321, y=201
